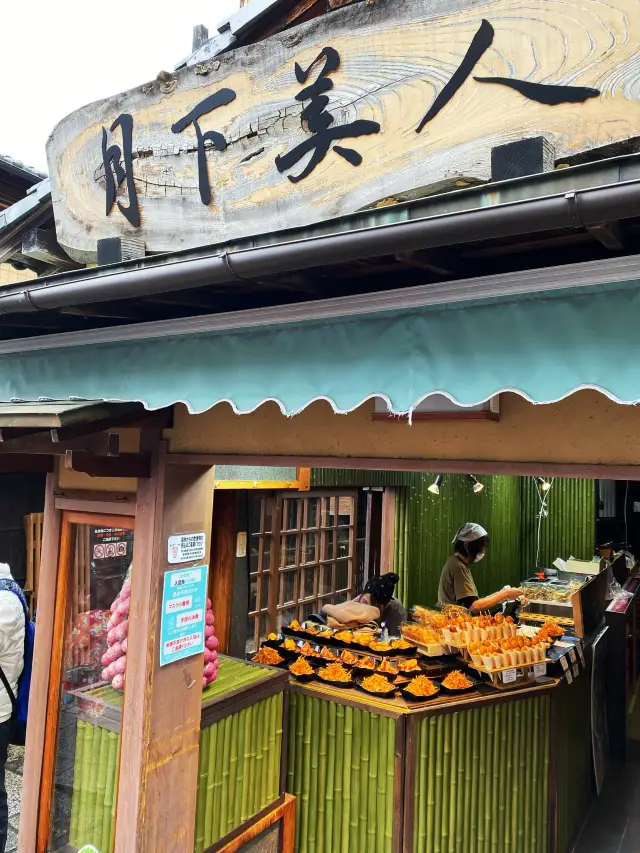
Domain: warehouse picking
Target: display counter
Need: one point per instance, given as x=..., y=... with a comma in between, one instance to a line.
x=491, y=771
x=240, y=771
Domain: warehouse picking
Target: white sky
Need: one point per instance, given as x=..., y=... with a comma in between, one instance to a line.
x=58, y=55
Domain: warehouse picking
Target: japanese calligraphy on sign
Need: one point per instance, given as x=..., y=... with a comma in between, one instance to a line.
x=375, y=101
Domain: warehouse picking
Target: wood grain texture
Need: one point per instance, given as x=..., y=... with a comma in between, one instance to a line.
x=40, y=672
x=396, y=56
x=162, y=705
x=223, y=563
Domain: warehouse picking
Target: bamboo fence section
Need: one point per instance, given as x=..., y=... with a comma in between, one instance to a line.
x=481, y=780
x=341, y=768
x=239, y=766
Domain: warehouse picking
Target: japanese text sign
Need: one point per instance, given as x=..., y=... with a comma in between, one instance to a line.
x=184, y=608
x=371, y=102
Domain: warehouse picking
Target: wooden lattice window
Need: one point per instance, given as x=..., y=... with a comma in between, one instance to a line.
x=302, y=561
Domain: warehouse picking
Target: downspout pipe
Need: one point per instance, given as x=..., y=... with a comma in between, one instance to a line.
x=582, y=208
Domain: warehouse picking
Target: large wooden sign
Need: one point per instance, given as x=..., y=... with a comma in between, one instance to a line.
x=371, y=101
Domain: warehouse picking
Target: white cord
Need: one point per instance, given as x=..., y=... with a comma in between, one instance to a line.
x=542, y=497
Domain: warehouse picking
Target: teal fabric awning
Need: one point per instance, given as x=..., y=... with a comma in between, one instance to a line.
x=542, y=346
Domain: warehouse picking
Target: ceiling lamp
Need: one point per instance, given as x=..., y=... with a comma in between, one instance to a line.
x=477, y=485
x=543, y=485
x=434, y=488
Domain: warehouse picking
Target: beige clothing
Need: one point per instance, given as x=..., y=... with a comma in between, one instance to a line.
x=456, y=582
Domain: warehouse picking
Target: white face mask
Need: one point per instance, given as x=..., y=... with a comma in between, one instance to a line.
x=479, y=557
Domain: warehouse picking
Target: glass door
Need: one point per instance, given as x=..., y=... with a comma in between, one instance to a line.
x=86, y=684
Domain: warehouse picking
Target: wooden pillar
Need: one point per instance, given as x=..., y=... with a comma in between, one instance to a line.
x=40, y=673
x=387, y=544
x=223, y=563
x=162, y=705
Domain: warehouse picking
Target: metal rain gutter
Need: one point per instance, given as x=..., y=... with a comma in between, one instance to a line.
x=577, y=209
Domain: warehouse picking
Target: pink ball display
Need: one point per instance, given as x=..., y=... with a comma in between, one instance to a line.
x=126, y=588
x=123, y=607
x=208, y=669
x=210, y=619
x=204, y=682
x=104, y=675
x=210, y=643
x=121, y=664
x=105, y=660
x=116, y=651
x=118, y=682
x=208, y=631
x=123, y=645
x=121, y=631
x=111, y=637
x=114, y=605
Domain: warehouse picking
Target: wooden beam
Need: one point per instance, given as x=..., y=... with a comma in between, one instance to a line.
x=25, y=463
x=137, y=416
x=223, y=562
x=136, y=465
x=162, y=705
x=40, y=672
x=285, y=812
x=43, y=246
x=100, y=444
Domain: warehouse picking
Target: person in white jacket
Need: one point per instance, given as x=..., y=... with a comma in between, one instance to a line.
x=12, y=627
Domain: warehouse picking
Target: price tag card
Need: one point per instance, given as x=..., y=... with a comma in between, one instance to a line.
x=581, y=654
x=569, y=677
x=539, y=669
x=576, y=670
x=564, y=663
x=509, y=676
x=572, y=656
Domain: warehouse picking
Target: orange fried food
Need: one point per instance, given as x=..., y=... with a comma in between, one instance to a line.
x=400, y=644
x=295, y=625
x=344, y=636
x=377, y=646
x=311, y=629
x=409, y=665
x=272, y=637
x=349, y=658
x=363, y=639
x=267, y=655
x=367, y=663
x=388, y=668
x=549, y=629
x=327, y=654
x=301, y=667
x=377, y=684
x=421, y=686
x=308, y=650
x=289, y=645
x=457, y=680
x=334, y=672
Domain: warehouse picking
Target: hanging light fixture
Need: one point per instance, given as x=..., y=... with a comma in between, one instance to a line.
x=434, y=488
x=477, y=485
x=544, y=485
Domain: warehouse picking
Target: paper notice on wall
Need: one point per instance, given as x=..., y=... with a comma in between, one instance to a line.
x=185, y=548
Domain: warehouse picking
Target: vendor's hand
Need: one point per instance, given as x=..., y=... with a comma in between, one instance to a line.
x=511, y=593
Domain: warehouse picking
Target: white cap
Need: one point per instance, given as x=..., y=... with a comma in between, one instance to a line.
x=469, y=532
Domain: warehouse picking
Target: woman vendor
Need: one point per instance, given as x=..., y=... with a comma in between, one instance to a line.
x=375, y=604
x=456, y=581
x=378, y=592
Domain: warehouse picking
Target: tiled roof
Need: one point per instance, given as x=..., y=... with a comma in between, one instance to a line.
x=13, y=165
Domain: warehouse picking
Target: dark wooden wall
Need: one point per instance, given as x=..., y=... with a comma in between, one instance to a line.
x=20, y=494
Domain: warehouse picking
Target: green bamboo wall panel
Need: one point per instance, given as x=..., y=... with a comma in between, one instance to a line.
x=570, y=528
x=426, y=524
x=481, y=781
x=93, y=808
x=573, y=757
x=341, y=769
x=239, y=769
x=507, y=507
